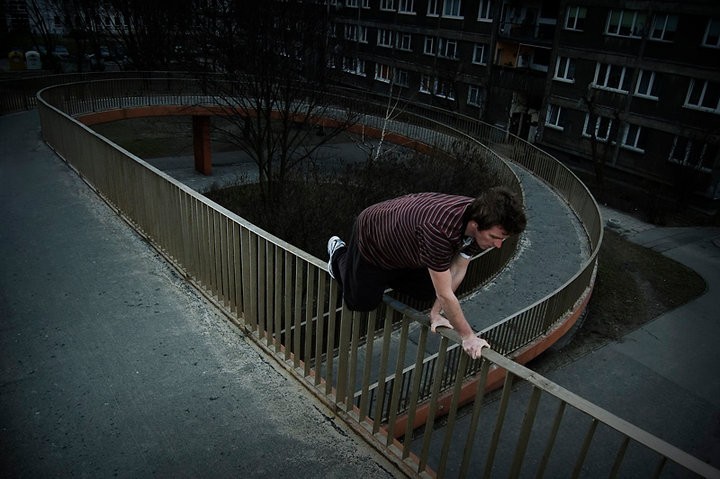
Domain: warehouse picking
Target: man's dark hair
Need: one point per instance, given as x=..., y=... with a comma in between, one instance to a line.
x=497, y=206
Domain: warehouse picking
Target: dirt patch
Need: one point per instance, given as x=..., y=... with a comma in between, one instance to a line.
x=634, y=285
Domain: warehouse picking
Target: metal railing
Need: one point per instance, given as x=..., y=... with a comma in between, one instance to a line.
x=284, y=298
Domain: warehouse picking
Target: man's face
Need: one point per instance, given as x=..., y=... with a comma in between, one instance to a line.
x=489, y=238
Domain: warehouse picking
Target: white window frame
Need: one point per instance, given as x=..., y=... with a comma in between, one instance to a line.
x=452, y=9
x=383, y=73
x=433, y=86
x=429, y=46
x=485, y=11
x=444, y=89
x=553, y=117
x=475, y=95
x=447, y=48
x=662, y=24
x=406, y=7
x=712, y=34
x=602, y=80
x=565, y=69
x=387, y=5
x=482, y=58
x=356, y=33
x=351, y=3
x=572, y=16
x=599, y=120
x=434, y=8
x=638, y=19
x=356, y=66
x=403, y=41
x=702, y=95
x=651, y=89
x=402, y=78
x=385, y=38
x=690, y=147
x=363, y=34
x=425, y=84
x=632, y=138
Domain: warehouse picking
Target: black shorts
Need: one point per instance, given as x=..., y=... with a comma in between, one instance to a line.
x=364, y=284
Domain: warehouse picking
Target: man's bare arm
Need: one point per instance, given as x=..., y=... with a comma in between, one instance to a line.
x=442, y=282
x=458, y=268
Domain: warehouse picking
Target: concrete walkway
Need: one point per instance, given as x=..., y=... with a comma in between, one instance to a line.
x=112, y=366
x=662, y=377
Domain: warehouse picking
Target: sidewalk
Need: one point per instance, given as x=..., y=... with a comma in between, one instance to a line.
x=112, y=366
x=663, y=377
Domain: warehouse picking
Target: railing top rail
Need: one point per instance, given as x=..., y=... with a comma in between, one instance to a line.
x=630, y=430
x=198, y=196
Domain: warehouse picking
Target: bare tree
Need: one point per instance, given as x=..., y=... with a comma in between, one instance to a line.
x=273, y=91
x=600, y=148
x=154, y=34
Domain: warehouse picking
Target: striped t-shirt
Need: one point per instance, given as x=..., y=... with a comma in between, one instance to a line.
x=414, y=231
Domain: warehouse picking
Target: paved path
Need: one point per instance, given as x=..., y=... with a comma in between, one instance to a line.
x=112, y=366
x=662, y=377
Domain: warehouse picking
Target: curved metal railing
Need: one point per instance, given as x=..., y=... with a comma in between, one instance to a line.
x=283, y=298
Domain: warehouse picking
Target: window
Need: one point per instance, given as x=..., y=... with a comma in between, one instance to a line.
x=387, y=4
x=407, y=6
x=447, y=48
x=554, y=118
x=664, y=27
x=697, y=154
x=433, y=8
x=451, y=8
x=712, y=34
x=356, y=33
x=633, y=138
x=626, y=23
x=703, y=95
x=356, y=66
x=565, y=69
x=646, y=85
x=602, y=126
x=444, y=89
x=401, y=78
x=404, y=41
x=575, y=18
x=425, y=84
x=475, y=95
x=485, y=11
x=351, y=3
x=429, y=48
x=480, y=54
x=436, y=87
x=384, y=38
x=383, y=73
x=611, y=77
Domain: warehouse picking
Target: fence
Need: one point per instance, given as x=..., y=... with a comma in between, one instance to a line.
x=284, y=298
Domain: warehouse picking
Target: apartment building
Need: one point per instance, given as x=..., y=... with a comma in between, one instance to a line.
x=629, y=88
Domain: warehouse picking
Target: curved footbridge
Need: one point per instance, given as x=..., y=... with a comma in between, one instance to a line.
x=350, y=361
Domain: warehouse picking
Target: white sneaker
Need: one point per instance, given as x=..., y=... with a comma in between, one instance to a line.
x=334, y=243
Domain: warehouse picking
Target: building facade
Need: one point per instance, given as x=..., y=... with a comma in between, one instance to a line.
x=624, y=89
